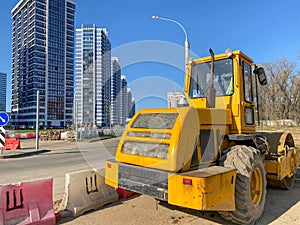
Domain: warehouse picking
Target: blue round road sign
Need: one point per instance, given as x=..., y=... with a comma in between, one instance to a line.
x=3, y=118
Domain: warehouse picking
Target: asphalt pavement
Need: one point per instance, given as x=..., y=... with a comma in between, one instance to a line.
x=54, y=159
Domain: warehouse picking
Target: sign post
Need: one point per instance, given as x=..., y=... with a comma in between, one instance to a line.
x=3, y=118
x=2, y=139
x=3, y=121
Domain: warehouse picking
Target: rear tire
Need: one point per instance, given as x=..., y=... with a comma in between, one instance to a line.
x=250, y=188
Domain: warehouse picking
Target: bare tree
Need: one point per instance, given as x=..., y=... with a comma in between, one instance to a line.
x=281, y=97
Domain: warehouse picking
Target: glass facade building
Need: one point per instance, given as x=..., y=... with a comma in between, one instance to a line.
x=115, y=91
x=93, y=76
x=127, y=102
x=43, y=60
x=130, y=104
x=3, y=81
x=124, y=99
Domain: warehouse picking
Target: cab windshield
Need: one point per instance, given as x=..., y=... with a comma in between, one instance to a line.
x=223, y=78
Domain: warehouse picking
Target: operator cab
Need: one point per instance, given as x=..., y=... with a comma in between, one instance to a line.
x=233, y=86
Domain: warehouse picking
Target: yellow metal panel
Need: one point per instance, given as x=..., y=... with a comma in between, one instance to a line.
x=188, y=131
x=236, y=110
x=210, y=189
x=111, y=173
x=297, y=156
x=286, y=163
x=271, y=166
x=223, y=56
x=187, y=79
x=282, y=161
x=283, y=167
x=214, y=116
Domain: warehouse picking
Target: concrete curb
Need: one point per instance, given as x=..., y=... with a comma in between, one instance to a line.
x=101, y=139
x=18, y=154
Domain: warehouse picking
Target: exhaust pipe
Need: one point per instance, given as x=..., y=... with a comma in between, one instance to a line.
x=211, y=91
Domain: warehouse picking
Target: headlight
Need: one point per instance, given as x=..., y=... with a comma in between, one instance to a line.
x=146, y=149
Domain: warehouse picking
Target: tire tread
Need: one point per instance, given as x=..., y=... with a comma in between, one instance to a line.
x=244, y=159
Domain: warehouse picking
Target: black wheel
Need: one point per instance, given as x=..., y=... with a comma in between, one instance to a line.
x=286, y=183
x=250, y=187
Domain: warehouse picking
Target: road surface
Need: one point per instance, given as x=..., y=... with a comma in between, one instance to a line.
x=64, y=157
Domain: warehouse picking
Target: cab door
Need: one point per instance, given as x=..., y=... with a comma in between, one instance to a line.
x=247, y=103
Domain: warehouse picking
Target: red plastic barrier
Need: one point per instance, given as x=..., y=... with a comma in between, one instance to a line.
x=27, y=203
x=124, y=193
x=17, y=135
x=30, y=135
x=12, y=144
x=57, y=216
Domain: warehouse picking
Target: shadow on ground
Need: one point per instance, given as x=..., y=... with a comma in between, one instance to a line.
x=21, y=154
x=278, y=202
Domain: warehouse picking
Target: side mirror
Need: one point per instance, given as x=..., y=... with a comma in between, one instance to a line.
x=260, y=72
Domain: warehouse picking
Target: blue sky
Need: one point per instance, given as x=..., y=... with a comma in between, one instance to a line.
x=264, y=30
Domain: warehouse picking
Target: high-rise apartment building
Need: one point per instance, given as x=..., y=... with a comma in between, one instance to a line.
x=43, y=60
x=3, y=80
x=123, y=100
x=130, y=104
x=93, y=76
x=115, y=91
x=127, y=102
x=131, y=108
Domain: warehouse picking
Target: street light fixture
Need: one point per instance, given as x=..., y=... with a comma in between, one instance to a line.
x=186, y=43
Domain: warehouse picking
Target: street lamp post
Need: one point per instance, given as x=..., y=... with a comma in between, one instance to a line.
x=186, y=43
x=76, y=120
x=37, y=120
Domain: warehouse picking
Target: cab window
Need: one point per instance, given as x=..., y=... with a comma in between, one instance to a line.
x=247, y=82
x=223, y=78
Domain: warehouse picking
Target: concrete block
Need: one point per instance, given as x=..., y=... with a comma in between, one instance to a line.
x=85, y=191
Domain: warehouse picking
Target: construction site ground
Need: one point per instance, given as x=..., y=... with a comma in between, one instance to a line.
x=282, y=207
